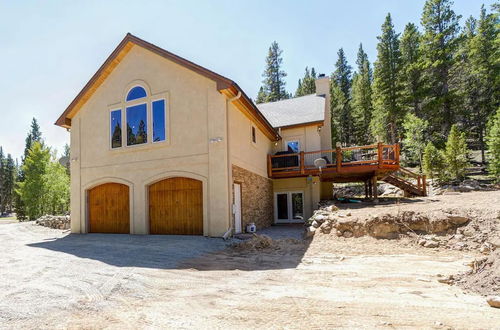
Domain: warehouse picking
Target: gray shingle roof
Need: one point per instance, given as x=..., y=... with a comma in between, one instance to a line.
x=294, y=111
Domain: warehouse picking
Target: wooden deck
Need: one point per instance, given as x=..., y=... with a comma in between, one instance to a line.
x=343, y=164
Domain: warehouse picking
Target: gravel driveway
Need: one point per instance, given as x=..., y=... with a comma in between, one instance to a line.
x=47, y=272
x=52, y=280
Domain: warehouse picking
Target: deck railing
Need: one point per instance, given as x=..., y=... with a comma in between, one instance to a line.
x=337, y=160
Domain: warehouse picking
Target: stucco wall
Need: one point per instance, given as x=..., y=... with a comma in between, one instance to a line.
x=309, y=186
x=308, y=137
x=196, y=113
x=243, y=152
x=256, y=198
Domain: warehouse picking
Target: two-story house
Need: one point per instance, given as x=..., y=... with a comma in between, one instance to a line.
x=161, y=145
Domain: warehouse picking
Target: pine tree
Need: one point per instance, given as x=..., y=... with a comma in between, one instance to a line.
x=493, y=141
x=387, y=111
x=456, y=154
x=32, y=188
x=433, y=162
x=411, y=71
x=438, y=46
x=362, y=107
x=2, y=179
x=261, y=96
x=273, y=84
x=7, y=181
x=34, y=135
x=342, y=125
x=307, y=85
x=478, y=69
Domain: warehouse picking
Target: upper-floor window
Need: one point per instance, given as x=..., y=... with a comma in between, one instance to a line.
x=293, y=146
x=254, y=135
x=135, y=93
x=145, y=119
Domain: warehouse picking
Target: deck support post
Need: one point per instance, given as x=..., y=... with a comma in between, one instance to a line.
x=366, y=189
x=374, y=188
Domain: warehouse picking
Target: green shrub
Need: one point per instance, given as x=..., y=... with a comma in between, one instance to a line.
x=433, y=163
x=455, y=154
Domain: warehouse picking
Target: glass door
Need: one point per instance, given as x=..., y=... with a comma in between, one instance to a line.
x=289, y=207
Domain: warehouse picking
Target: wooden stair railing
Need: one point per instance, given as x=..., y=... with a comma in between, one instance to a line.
x=398, y=179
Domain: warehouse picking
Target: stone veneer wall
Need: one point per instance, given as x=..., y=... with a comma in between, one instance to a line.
x=256, y=198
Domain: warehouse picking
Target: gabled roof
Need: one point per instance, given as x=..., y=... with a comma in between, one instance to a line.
x=309, y=109
x=224, y=85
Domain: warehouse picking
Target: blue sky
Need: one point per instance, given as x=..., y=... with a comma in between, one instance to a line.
x=50, y=49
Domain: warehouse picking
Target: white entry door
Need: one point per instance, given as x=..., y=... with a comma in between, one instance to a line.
x=289, y=207
x=237, y=208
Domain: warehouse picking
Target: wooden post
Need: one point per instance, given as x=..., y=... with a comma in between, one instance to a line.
x=375, y=191
x=366, y=189
x=379, y=154
x=396, y=156
x=269, y=166
x=338, y=154
x=418, y=182
x=424, y=184
x=302, y=167
x=370, y=192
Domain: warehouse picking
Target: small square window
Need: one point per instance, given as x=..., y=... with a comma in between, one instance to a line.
x=254, y=135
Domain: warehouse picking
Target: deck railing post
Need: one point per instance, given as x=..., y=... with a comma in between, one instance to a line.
x=302, y=165
x=424, y=185
x=338, y=156
x=379, y=154
x=418, y=182
x=269, y=167
x=397, y=148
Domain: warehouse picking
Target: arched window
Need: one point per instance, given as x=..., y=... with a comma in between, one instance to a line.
x=136, y=93
x=139, y=110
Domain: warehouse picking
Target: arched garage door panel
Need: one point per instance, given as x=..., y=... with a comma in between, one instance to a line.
x=176, y=207
x=109, y=209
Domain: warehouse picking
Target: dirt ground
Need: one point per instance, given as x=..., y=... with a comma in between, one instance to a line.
x=50, y=279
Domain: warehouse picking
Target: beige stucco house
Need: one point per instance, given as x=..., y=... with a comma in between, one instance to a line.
x=160, y=145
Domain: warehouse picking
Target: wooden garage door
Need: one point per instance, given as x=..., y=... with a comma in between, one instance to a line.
x=176, y=207
x=109, y=210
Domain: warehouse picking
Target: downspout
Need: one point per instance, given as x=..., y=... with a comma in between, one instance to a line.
x=229, y=166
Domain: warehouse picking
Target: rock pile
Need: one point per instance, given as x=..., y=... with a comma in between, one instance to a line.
x=464, y=186
x=54, y=221
x=384, y=225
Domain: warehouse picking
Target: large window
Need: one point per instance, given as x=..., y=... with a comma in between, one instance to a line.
x=137, y=127
x=145, y=120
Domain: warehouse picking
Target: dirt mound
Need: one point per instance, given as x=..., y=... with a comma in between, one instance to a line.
x=482, y=278
x=264, y=242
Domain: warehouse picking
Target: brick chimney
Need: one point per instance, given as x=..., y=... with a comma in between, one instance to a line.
x=323, y=89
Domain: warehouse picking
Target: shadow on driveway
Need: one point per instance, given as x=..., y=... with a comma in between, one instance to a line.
x=169, y=251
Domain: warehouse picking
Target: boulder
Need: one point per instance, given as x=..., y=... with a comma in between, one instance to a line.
x=494, y=301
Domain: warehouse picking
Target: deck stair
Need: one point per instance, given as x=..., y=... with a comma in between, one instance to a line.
x=410, y=182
